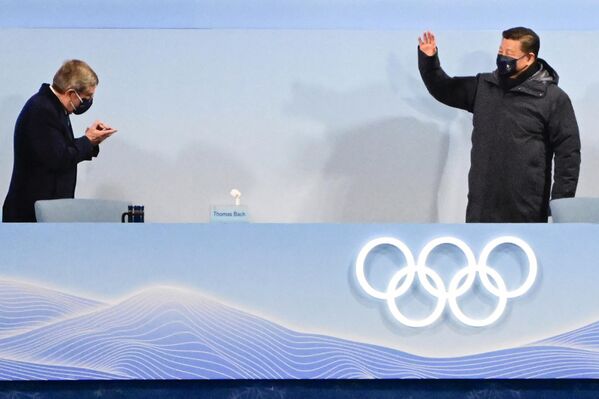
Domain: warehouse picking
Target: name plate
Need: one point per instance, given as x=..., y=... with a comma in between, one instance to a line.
x=229, y=214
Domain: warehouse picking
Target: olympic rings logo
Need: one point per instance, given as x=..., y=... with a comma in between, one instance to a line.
x=461, y=282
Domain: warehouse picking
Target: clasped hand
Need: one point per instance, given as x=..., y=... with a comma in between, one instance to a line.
x=98, y=132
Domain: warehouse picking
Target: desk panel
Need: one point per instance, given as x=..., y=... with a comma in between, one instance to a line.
x=288, y=301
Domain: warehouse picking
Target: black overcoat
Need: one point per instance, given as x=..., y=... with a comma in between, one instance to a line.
x=46, y=155
x=517, y=134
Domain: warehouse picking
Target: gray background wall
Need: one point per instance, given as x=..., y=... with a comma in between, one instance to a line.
x=317, y=120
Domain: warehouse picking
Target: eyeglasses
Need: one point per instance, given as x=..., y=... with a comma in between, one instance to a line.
x=83, y=99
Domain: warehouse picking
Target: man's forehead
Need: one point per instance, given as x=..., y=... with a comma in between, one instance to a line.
x=511, y=45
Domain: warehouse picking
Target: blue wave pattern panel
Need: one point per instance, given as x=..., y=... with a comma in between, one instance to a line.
x=14, y=370
x=585, y=338
x=171, y=333
x=24, y=306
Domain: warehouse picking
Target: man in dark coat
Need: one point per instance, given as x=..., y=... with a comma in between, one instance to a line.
x=46, y=153
x=522, y=123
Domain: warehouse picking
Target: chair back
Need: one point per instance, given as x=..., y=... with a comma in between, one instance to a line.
x=575, y=210
x=76, y=210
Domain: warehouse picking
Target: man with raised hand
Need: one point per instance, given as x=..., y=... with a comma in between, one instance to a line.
x=523, y=122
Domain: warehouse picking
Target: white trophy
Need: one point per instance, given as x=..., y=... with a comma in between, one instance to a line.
x=230, y=213
x=235, y=193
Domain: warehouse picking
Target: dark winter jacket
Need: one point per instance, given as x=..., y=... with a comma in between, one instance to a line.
x=517, y=134
x=45, y=156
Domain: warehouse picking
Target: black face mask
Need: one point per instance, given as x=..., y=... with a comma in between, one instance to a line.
x=506, y=66
x=84, y=105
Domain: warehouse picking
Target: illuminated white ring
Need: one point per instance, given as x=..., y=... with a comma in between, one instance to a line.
x=532, y=266
x=428, y=248
x=461, y=316
x=361, y=275
x=456, y=288
x=393, y=295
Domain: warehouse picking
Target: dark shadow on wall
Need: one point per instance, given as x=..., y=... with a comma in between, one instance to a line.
x=383, y=171
x=384, y=150
x=172, y=190
x=406, y=83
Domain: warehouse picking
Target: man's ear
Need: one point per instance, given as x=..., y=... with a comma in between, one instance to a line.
x=533, y=57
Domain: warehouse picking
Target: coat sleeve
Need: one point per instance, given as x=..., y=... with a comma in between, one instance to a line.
x=458, y=92
x=565, y=142
x=50, y=147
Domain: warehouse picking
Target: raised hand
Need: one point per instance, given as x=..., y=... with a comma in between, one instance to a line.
x=427, y=43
